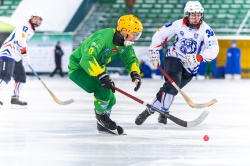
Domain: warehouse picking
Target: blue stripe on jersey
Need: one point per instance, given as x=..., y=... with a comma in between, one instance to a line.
x=5, y=57
x=12, y=37
x=168, y=25
x=176, y=40
x=19, y=45
x=201, y=44
x=6, y=50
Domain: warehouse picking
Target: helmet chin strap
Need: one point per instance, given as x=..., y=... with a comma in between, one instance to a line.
x=128, y=43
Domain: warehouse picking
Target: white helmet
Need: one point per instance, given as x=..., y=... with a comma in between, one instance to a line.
x=36, y=14
x=193, y=7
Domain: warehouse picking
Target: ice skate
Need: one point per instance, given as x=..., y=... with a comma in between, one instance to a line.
x=105, y=121
x=162, y=119
x=143, y=116
x=118, y=131
x=16, y=103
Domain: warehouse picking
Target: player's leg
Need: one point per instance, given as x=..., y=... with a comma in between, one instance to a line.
x=108, y=111
x=60, y=66
x=165, y=96
x=20, y=78
x=185, y=78
x=6, y=71
x=104, y=98
x=56, y=68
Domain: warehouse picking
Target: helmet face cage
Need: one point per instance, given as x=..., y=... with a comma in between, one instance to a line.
x=193, y=7
x=130, y=23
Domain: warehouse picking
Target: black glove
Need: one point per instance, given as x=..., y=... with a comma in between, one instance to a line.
x=106, y=82
x=136, y=79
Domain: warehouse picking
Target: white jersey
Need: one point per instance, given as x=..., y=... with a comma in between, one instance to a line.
x=16, y=43
x=188, y=41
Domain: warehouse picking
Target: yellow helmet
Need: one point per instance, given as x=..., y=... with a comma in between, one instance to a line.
x=130, y=23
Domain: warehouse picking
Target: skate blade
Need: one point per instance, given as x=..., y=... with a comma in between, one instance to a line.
x=161, y=126
x=113, y=132
x=15, y=106
x=108, y=131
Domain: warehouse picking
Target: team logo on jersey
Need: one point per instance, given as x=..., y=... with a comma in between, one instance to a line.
x=188, y=46
x=196, y=35
x=107, y=50
x=122, y=51
x=95, y=44
x=114, y=50
x=23, y=35
x=182, y=33
x=211, y=42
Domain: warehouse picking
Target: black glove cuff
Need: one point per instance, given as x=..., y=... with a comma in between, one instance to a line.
x=134, y=75
x=100, y=76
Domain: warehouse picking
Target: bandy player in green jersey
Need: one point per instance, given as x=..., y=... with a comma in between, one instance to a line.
x=87, y=66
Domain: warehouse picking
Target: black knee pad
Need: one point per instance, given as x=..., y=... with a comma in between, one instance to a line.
x=174, y=69
x=167, y=88
x=186, y=78
x=19, y=72
x=6, y=69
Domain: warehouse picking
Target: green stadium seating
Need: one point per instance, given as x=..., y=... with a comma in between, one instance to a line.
x=8, y=7
x=224, y=16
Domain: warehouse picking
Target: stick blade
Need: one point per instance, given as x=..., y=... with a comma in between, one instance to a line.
x=198, y=120
x=64, y=102
x=203, y=105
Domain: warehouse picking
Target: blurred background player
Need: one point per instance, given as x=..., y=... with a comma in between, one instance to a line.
x=58, y=59
x=195, y=42
x=13, y=57
x=130, y=6
x=233, y=66
x=87, y=66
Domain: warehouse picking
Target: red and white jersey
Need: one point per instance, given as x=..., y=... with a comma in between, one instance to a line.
x=188, y=41
x=16, y=43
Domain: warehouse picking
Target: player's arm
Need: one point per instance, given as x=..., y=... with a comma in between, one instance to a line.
x=210, y=48
x=89, y=62
x=161, y=36
x=21, y=36
x=132, y=66
x=89, y=59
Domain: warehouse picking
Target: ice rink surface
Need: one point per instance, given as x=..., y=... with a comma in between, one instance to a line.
x=48, y=134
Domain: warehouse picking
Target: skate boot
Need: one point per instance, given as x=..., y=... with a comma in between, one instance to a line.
x=162, y=119
x=105, y=122
x=143, y=116
x=118, y=131
x=16, y=103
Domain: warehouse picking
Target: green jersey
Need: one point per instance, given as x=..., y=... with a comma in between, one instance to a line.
x=98, y=50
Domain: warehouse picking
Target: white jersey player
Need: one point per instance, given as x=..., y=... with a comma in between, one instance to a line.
x=195, y=42
x=13, y=56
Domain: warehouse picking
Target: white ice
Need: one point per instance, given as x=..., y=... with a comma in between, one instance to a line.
x=48, y=134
